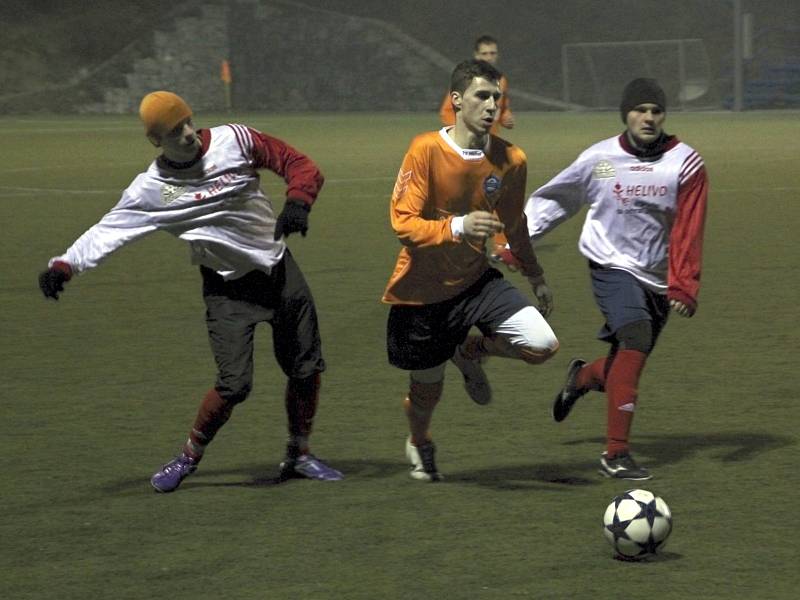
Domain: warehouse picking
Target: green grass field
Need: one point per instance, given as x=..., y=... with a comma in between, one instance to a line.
x=100, y=389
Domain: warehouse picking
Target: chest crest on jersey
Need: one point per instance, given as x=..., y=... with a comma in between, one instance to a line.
x=491, y=188
x=603, y=170
x=171, y=192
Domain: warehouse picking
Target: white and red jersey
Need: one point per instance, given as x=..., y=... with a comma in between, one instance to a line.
x=215, y=204
x=645, y=216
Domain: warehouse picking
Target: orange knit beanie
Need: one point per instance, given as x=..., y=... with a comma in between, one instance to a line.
x=161, y=111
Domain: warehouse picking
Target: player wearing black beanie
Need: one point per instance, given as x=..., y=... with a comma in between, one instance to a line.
x=646, y=193
x=641, y=91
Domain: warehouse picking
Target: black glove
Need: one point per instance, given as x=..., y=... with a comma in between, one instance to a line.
x=293, y=217
x=52, y=282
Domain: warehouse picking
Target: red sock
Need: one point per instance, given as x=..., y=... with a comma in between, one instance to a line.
x=302, y=399
x=593, y=375
x=622, y=386
x=213, y=413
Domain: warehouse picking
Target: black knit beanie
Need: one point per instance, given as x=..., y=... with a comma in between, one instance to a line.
x=641, y=91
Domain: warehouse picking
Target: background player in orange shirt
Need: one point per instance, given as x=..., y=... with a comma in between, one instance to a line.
x=456, y=189
x=485, y=49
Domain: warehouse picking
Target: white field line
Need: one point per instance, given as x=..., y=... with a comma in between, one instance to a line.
x=11, y=192
x=50, y=167
x=79, y=128
x=7, y=192
x=144, y=163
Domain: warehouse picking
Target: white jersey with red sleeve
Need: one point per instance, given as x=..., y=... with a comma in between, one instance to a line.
x=215, y=204
x=645, y=216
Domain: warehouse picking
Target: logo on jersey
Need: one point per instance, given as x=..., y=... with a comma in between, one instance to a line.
x=220, y=184
x=619, y=194
x=401, y=185
x=603, y=170
x=171, y=192
x=639, y=194
x=491, y=187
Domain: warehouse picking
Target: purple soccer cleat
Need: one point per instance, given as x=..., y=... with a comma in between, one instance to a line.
x=309, y=467
x=169, y=477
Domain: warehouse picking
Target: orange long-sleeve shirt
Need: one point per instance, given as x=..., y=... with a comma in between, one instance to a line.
x=448, y=115
x=438, y=181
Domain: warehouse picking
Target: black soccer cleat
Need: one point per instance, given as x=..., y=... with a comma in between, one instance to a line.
x=622, y=466
x=569, y=394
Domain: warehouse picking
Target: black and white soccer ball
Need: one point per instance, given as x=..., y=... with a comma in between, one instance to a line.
x=637, y=524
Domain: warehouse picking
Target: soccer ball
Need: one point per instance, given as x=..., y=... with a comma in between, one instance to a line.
x=637, y=524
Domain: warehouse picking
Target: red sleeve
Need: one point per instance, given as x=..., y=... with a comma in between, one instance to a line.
x=301, y=175
x=686, y=239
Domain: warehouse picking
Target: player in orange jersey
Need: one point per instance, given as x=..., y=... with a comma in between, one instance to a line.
x=485, y=49
x=456, y=189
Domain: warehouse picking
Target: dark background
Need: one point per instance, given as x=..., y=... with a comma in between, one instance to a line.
x=46, y=43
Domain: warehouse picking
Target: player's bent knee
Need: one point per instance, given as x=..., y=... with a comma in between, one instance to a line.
x=528, y=336
x=532, y=351
x=235, y=394
x=536, y=356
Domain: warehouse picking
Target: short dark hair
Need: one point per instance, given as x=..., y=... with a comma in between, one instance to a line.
x=484, y=39
x=468, y=70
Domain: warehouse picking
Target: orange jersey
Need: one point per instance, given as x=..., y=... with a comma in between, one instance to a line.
x=448, y=116
x=438, y=181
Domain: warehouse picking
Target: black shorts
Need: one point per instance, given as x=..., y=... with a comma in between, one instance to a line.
x=623, y=300
x=422, y=337
x=235, y=307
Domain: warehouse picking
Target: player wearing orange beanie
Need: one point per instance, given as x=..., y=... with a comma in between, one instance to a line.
x=162, y=111
x=204, y=188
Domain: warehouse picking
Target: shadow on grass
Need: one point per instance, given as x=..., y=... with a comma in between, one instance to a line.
x=258, y=475
x=551, y=476
x=653, y=451
x=651, y=558
x=725, y=447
